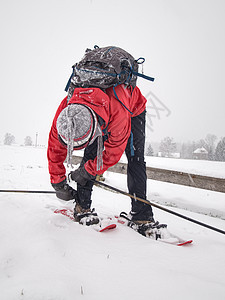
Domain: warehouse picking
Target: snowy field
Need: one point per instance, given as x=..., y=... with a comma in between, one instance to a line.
x=44, y=256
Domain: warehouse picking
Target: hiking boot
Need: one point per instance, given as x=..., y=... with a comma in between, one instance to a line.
x=146, y=226
x=153, y=230
x=140, y=222
x=144, y=216
x=85, y=216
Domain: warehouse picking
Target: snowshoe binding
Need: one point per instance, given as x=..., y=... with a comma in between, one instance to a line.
x=148, y=228
x=85, y=216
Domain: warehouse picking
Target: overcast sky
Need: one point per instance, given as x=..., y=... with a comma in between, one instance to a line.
x=183, y=43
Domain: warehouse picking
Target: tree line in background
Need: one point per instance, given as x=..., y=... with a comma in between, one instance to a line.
x=208, y=148
x=9, y=139
x=167, y=147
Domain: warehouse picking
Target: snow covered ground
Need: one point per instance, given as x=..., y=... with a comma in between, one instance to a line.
x=44, y=256
x=191, y=166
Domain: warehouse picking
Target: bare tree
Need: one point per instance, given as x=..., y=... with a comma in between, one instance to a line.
x=167, y=146
x=149, y=151
x=220, y=150
x=9, y=139
x=210, y=145
x=187, y=150
x=28, y=141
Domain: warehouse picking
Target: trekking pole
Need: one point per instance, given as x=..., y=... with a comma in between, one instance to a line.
x=159, y=207
x=25, y=191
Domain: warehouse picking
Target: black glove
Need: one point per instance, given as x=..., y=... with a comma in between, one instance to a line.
x=64, y=191
x=81, y=176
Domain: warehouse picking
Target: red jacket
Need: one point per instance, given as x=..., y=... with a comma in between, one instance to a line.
x=112, y=112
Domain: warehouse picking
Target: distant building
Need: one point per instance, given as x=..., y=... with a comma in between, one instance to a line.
x=200, y=153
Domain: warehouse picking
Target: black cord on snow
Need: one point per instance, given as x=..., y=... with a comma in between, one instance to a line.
x=131, y=196
x=159, y=207
x=27, y=191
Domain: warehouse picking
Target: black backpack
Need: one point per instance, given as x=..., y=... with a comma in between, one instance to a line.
x=103, y=68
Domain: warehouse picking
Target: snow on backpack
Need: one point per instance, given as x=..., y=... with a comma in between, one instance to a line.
x=104, y=68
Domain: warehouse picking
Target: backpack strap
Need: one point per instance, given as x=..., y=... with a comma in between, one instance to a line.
x=69, y=81
x=114, y=91
x=140, y=61
x=105, y=131
x=143, y=76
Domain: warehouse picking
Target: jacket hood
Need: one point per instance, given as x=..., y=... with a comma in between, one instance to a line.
x=94, y=98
